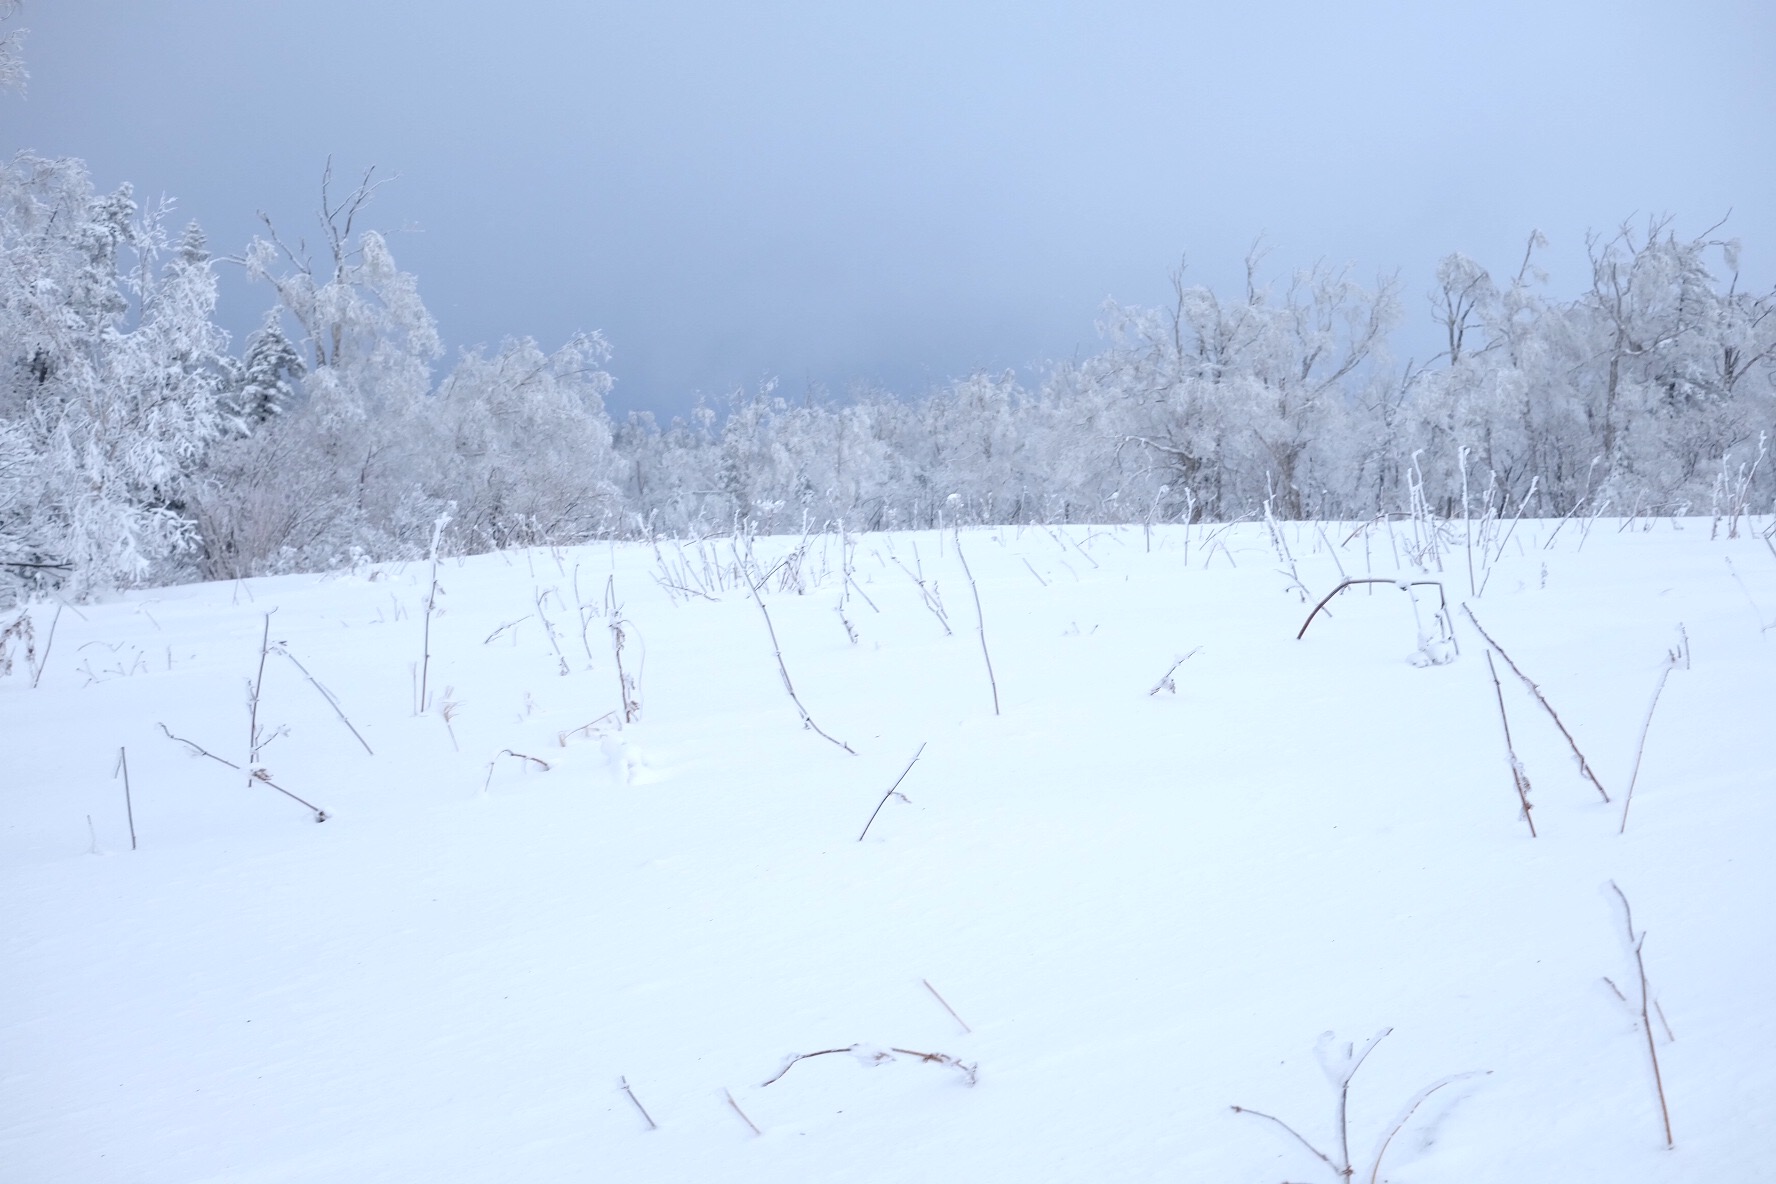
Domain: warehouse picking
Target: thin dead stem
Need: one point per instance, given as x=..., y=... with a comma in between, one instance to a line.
x=1518, y=777
x=946, y=1005
x=777, y=652
x=652, y=1125
x=1636, y=941
x=980, y=619
x=736, y=1105
x=1640, y=748
x=128, y=806
x=1584, y=765
x=891, y=792
x=325, y=694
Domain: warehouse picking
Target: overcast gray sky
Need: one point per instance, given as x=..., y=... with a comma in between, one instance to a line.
x=902, y=192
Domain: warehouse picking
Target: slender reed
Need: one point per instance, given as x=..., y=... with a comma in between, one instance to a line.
x=652, y=1125
x=129, y=807
x=1640, y=748
x=890, y=793
x=1636, y=941
x=327, y=695
x=980, y=620
x=49, y=641
x=254, y=741
x=1584, y=765
x=1518, y=777
x=777, y=652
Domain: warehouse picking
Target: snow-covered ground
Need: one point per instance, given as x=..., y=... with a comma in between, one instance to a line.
x=1145, y=904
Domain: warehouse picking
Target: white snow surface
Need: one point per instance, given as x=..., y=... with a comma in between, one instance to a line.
x=1147, y=907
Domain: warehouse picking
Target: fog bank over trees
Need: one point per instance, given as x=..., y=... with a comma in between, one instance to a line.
x=138, y=443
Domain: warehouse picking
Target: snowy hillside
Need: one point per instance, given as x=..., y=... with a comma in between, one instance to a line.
x=532, y=941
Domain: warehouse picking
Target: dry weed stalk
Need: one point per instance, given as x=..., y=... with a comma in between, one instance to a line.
x=891, y=792
x=652, y=1125
x=447, y=710
x=777, y=652
x=1433, y=655
x=1166, y=681
x=488, y=640
x=254, y=775
x=946, y=1005
x=736, y=1105
x=332, y=702
x=1678, y=653
x=980, y=620
x=1584, y=765
x=1340, y=1070
x=48, y=644
x=871, y=1055
x=1518, y=777
x=929, y=594
x=539, y=596
x=524, y=758
x=1280, y=544
x=628, y=687
x=587, y=730
x=128, y=806
x=21, y=633
x=255, y=740
x=425, y=656
x=1636, y=941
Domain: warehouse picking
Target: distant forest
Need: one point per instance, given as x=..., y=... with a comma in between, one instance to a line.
x=138, y=443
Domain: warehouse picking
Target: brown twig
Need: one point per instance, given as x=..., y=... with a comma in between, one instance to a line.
x=1321, y=1155
x=970, y=1072
x=890, y=793
x=946, y=1005
x=1584, y=765
x=1518, y=777
x=1343, y=584
x=1637, y=941
x=736, y=1105
x=652, y=1125
x=260, y=776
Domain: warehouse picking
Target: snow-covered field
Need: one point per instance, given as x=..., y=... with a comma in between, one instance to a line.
x=1145, y=904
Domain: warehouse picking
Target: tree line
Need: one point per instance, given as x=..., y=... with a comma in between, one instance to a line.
x=138, y=443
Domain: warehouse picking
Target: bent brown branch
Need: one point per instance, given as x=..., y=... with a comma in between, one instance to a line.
x=1442, y=601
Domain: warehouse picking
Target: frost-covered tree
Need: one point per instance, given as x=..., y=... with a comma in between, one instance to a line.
x=111, y=384
x=521, y=445
x=268, y=371
x=1244, y=402
x=339, y=470
x=12, y=61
